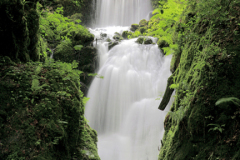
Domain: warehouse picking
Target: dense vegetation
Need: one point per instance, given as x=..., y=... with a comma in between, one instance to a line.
x=42, y=106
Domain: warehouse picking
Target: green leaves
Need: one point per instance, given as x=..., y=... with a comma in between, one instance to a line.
x=78, y=47
x=216, y=128
x=178, y=115
x=234, y=100
x=174, y=86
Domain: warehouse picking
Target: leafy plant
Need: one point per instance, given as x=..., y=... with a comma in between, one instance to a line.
x=178, y=115
x=234, y=100
x=216, y=127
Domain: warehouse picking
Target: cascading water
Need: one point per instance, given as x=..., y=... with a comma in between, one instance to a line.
x=121, y=12
x=123, y=106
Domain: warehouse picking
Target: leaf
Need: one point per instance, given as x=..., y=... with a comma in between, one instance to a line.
x=35, y=84
x=85, y=99
x=78, y=47
x=235, y=100
x=174, y=86
x=38, y=70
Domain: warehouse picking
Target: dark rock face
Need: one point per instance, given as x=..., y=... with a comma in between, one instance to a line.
x=87, y=58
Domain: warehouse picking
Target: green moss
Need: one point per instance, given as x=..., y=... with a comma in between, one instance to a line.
x=134, y=27
x=42, y=113
x=205, y=70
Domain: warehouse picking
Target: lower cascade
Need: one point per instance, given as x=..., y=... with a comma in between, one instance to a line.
x=124, y=98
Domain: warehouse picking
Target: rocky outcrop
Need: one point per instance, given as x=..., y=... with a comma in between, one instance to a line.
x=42, y=113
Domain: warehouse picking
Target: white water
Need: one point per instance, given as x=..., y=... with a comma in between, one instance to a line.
x=121, y=12
x=123, y=108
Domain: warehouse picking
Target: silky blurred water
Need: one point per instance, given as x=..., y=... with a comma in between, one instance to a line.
x=123, y=106
x=121, y=12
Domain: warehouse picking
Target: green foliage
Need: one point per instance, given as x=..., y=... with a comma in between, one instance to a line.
x=205, y=65
x=216, y=127
x=78, y=47
x=234, y=100
x=42, y=112
x=178, y=115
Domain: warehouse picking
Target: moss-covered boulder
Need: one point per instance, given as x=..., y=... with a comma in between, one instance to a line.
x=125, y=34
x=117, y=36
x=103, y=35
x=42, y=113
x=143, y=23
x=162, y=44
x=65, y=52
x=134, y=27
x=142, y=29
x=148, y=41
x=143, y=40
x=112, y=44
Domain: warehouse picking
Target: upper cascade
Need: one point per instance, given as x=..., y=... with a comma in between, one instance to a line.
x=121, y=12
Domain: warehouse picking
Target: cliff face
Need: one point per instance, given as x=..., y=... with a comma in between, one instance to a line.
x=206, y=69
x=42, y=113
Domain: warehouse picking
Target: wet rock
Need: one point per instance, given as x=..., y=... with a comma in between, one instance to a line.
x=134, y=27
x=112, y=44
x=142, y=40
x=143, y=29
x=148, y=41
x=125, y=34
x=103, y=35
x=143, y=23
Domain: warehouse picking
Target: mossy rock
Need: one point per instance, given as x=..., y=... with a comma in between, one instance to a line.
x=125, y=34
x=64, y=52
x=143, y=23
x=117, y=36
x=148, y=41
x=134, y=27
x=87, y=62
x=82, y=37
x=112, y=44
x=162, y=44
x=42, y=113
x=142, y=40
x=103, y=35
x=142, y=29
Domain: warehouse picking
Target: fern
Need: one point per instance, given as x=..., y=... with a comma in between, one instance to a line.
x=234, y=100
x=177, y=115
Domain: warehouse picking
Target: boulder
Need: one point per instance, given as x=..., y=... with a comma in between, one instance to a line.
x=134, y=27
x=143, y=23
x=125, y=34
x=112, y=44
x=143, y=29
x=142, y=40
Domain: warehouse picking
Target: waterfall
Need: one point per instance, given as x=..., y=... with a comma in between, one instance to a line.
x=121, y=12
x=123, y=105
